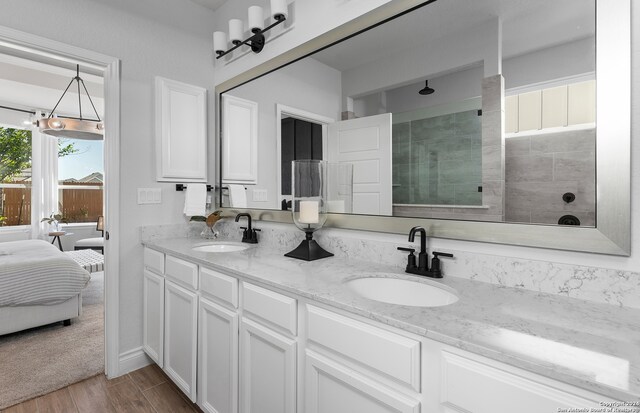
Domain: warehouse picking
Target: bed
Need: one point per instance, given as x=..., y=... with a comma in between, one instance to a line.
x=39, y=285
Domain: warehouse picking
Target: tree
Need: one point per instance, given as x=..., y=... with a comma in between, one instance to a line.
x=15, y=151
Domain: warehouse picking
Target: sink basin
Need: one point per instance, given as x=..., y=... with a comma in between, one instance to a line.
x=401, y=291
x=221, y=247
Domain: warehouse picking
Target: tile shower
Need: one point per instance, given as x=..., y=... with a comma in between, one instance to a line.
x=438, y=160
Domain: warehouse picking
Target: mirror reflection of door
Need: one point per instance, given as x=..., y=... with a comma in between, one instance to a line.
x=300, y=139
x=365, y=143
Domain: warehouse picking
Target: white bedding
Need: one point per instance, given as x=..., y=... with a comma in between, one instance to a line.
x=35, y=272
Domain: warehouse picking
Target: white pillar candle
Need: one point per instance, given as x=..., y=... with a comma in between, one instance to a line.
x=256, y=18
x=219, y=41
x=279, y=7
x=235, y=30
x=309, y=212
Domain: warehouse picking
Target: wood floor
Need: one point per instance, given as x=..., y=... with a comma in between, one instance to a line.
x=146, y=390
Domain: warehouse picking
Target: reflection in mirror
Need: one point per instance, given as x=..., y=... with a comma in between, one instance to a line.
x=466, y=110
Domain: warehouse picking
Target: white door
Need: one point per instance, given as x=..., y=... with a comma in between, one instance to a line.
x=180, y=332
x=333, y=388
x=153, y=316
x=267, y=370
x=366, y=143
x=217, y=358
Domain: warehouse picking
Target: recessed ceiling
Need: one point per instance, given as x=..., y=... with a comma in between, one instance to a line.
x=210, y=4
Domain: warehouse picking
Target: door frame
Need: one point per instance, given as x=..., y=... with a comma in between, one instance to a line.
x=288, y=111
x=30, y=44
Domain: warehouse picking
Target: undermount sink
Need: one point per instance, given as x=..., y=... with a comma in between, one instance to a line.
x=221, y=247
x=401, y=291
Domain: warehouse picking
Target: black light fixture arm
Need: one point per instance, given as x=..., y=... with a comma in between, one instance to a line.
x=256, y=41
x=59, y=100
x=78, y=79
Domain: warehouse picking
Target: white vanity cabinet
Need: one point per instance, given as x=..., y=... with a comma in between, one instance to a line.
x=351, y=366
x=218, y=343
x=268, y=347
x=153, y=304
x=170, y=316
x=181, y=324
x=237, y=347
x=356, y=365
x=460, y=381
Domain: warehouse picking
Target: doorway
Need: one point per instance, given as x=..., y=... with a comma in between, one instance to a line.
x=44, y=51
x=300, y=134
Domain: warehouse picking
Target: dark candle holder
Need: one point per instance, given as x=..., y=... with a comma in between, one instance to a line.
x=309, y=249
x=308, y=206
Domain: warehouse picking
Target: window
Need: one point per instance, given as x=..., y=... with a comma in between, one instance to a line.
x=80, y=179
x=15, y=177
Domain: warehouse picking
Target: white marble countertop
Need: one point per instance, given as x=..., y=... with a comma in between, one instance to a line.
x=593, y=346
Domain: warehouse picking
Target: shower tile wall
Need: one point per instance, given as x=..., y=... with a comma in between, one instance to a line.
x=438, y=160
x=539, y=169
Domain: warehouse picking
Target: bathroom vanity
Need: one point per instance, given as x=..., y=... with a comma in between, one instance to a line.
x=254, y=331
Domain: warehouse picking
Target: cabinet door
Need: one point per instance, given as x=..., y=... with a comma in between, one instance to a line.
x=218, y=358
x=240, y=137
x=181, y=129
x=153, y=316
x=267, y=370
x=333, y=388
x=180, y=332
x=473, y=384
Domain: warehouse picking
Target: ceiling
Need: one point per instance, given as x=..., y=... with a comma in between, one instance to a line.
x=210, y=4
x=528, y=25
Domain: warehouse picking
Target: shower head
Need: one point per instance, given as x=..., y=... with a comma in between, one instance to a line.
x=427, y=90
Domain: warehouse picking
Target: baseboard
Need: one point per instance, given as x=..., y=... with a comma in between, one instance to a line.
x=132, y=360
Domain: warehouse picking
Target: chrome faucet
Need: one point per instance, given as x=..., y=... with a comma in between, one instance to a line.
x=249, y=234
x=422, y=268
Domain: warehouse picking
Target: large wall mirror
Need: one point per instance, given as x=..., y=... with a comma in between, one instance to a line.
x=487, y=120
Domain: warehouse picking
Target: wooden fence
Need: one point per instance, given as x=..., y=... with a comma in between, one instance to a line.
x=15, y=206
x=82, y=204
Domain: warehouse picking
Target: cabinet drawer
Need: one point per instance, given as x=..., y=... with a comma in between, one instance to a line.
x=270, y=307
x=154, y=260
x=376, y=349
x=183, y=272
x=470, y=385
x=220, y=287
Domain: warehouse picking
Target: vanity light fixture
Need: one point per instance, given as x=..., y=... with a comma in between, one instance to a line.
x=256, y=41
x=69, y=127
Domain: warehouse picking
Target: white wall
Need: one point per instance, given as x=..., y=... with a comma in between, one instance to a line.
x=302, y=79
x=310, y=18
x=570, y=59
x=165, y=38
x=565, y=60
x=453, y=87
x=332, y=14
x=462, y=50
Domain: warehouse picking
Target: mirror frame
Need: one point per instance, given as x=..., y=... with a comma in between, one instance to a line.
x=612, y=234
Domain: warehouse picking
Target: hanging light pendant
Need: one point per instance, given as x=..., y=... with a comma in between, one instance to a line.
x=75, y=128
